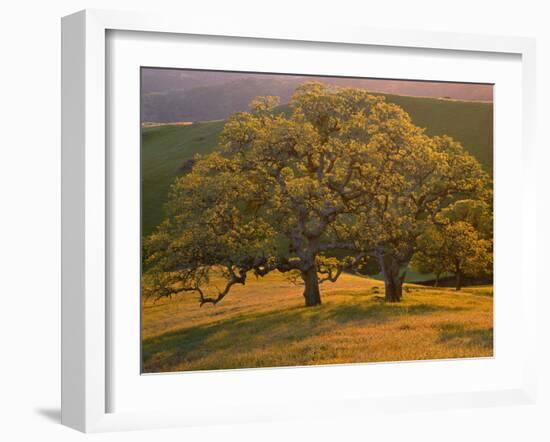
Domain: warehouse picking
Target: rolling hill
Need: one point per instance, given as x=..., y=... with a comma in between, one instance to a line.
x=175, y=95
x=165, y=148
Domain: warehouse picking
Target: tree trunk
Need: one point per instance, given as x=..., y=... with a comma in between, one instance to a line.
x=393, y=279
x=436, y=283
x=312, y=295
x=458, y=280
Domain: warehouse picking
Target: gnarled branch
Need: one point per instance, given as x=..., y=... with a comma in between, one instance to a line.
x=234, y=279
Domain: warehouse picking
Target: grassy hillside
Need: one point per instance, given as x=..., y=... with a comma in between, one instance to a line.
x=469, y=122
x=264, y=324
x=165, y=148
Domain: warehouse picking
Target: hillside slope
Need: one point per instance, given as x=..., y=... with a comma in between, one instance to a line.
x=264, y=324
x=165, y=148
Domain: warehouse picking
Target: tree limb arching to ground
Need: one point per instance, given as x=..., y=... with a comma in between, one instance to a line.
x=341, y=176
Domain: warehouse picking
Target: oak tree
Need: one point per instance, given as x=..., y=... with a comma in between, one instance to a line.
x=458, y=242
x=418, y=177
x=340, y=176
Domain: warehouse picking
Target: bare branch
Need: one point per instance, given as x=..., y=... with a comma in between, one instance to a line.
x=331, y=274
x=235, y=279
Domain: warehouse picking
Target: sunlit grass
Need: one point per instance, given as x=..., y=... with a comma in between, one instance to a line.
x=264, y=324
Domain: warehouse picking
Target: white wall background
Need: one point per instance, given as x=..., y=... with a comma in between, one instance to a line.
x=30, y=215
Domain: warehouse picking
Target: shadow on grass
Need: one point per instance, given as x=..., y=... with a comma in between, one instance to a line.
x=380, y=312
x=458, y=334
x=256, y=331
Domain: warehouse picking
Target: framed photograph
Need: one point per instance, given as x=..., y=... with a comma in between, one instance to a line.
x=262, y=224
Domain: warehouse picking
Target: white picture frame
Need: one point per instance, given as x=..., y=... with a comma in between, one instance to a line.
x=85, y=210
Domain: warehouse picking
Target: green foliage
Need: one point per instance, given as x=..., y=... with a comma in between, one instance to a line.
x=166, y=148
x=344, y=170
x=459, y=241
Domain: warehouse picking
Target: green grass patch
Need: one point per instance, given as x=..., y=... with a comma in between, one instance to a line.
x=163, y=151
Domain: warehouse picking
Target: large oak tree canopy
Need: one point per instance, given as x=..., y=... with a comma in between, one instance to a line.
x=342, y=176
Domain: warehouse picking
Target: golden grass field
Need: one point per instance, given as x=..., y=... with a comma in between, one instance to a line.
x=264, y=324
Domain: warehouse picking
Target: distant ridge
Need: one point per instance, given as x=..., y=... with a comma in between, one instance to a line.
x=203, y=96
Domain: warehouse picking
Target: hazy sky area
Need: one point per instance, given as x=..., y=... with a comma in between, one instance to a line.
x=185, y=95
